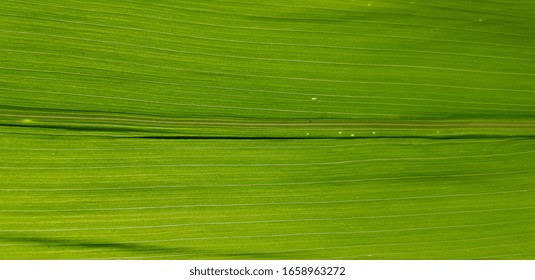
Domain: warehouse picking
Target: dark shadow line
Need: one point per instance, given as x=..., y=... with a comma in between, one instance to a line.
x=449, y=137
x=229, y=137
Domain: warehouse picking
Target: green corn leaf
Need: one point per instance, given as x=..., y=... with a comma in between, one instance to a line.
x=240, y=129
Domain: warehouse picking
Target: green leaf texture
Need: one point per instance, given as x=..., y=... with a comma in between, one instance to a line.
x=241, y=129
